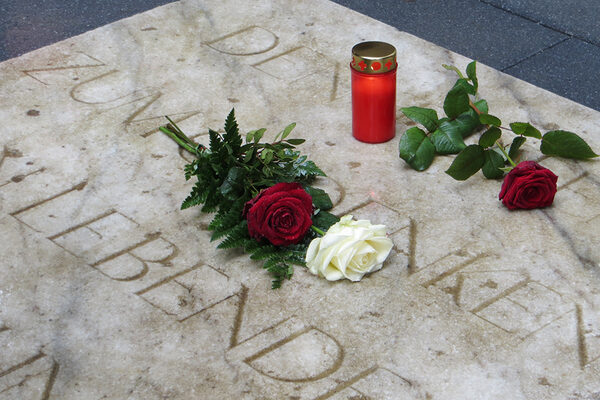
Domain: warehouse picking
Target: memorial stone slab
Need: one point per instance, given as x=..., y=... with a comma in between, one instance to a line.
x=109, y=291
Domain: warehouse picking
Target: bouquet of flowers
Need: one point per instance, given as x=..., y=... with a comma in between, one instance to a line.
x=264, y=203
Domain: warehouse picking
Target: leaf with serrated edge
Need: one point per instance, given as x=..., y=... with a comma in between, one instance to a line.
x=416, y=149
x=466, y=123
x=320, y=198
x=566, y=144
x=491, y=166
x=467, y=162
x=482, y=106
x=472, y=74
x=447, y=139
x=515, y=146
x=424, y=116
x=457, y=99
x=525, y=129
x=488, y=119
x=489, y=137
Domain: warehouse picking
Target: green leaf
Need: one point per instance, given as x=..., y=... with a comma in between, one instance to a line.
x=467, y=163
x=323, y=220
x=416, y=149
x=488, y=119
x=566, y=144
x=492, y=164
x=215, y=142
x=287, y=130
x=482, y=106
x=466, y=123
x=472, y=74
x=305, y=169
x=525, y=129
x=447, y=139
x=457, y=99
x=514, y=147
x=267, y=155
x=264, y=251
x=195, y=198
x=489, y=137
x=296, y=142
x=258, y=134
x=248, y=155
x=231, y=186
x=320, y=198
x=424, y=116
x=237, y=237
x=232, y=133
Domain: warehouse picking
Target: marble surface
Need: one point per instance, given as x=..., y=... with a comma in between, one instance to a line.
x=109, y=291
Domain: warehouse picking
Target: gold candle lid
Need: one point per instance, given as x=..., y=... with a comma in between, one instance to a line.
x=373, y=57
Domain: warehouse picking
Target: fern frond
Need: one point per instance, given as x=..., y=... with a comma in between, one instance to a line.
x=216, y=143
x=264, y=251
x=232, y=132
x=196, y=197
x=237, y=237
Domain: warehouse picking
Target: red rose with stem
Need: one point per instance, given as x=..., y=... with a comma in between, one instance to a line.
x=528, y=185
x=282, y=214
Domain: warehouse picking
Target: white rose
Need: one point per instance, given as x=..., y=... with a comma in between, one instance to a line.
x=349, y=249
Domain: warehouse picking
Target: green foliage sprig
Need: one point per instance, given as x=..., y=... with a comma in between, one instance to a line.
x=230, y=172
x=464, y=116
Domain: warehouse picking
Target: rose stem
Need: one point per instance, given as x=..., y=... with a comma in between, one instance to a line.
x=319, y=231
x=178, y=140
x=505, y=154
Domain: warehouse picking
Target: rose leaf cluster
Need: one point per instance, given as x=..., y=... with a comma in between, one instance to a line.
x=528, y=186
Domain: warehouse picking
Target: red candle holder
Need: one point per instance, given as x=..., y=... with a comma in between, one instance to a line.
x=373, y=69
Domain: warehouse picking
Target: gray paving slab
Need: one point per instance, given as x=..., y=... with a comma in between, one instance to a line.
x=569, y=68
x=578, y=18
x=491, y=31
x=26, y=25
x=469, y=27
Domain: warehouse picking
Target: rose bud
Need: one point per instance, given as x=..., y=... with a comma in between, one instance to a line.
x=282, y=214
x=528, y=186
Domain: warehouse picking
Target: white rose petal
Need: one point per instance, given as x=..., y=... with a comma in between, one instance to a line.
x=349, y=249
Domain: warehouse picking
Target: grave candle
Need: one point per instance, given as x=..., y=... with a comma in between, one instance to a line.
x=373, y=70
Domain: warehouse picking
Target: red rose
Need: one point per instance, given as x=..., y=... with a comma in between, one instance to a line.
x=528, y=185
x=282, y=214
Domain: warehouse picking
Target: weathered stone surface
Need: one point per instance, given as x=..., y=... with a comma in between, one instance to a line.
x=108, y=290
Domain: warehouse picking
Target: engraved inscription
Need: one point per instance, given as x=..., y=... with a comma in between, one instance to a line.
x=588, y=336
x=523, y=308
x=15, y=168
x=506, y=298
x=304, y=356
x=245, y=42
x=373, y=383
x=73, y=65
x=294, y=64
x=110, y=242
x=32, y=378
x=190, y=292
